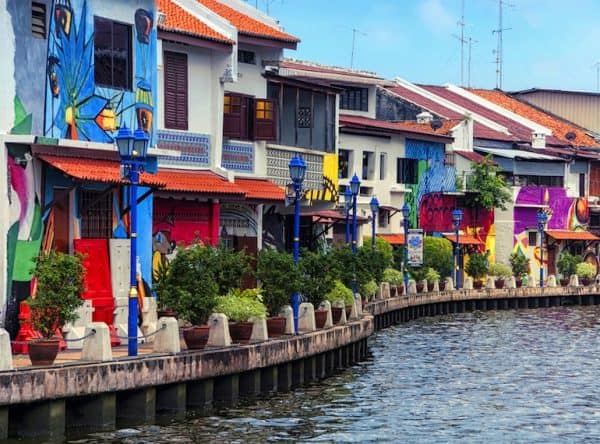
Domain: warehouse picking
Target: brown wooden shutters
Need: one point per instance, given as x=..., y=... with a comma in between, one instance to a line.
x=264, y=119
x=246, y=118
x=235, y=117
x=176, y=90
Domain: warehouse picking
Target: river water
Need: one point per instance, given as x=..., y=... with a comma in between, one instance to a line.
x=506, y=376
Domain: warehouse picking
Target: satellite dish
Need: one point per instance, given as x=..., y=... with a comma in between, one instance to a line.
x=435, y=124
x=570, y=136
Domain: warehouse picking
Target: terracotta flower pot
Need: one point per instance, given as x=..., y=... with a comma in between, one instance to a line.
x=400, y=289
x=477, y=285
x=420, y=288
x=196, y=337
x=276, y=326
x=321, y=318
x=393, y=291
x=499, y=283
x=166, y=314
x=518, y=283
x=240, y=331
x=430, y=286
x=43, y=351
x=442, y=285
x=564, y=282
x=348, y=311
x=336, y=314
x=586, y=281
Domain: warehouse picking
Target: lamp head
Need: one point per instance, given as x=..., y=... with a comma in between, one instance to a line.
x=347, y=198
x=297, y=168
x=355, y=185
x=374, y=204
x=457, y=216
x=140, y=145
x=125, y=142
x=405, y=211
x=542, y=218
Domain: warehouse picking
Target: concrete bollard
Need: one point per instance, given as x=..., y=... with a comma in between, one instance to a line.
x=287, y=312
x=424, y=284
x=121, y=315
x=551, y=281
x=6, y=362
x=218, y=335
x=468, y=283
x=97, y=346
x=490, y=283
x=531, y=282
x=385, y=290
x=436, y=286
x=574, y=281
x=412, y=287
x=358, y=303
x=340, y=304
x=449, y=284
x=511, y=282
x=306, y=317
x=167, y=339
x=74, y=331
x=326, y=306
x=259, y=330
x=354, y=312
x=149, y=317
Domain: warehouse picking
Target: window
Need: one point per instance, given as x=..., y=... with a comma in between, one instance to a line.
x=382, y=165
x=176, y=90
x=38, y=20
x=235, y=117
x=406, y=171
x=95, y=210
x=241, y=124
x=344, y=164
x=368, y=166
x=449, y=159
x=356, y=99
x=112, y=54
x=264, y=119
x=383, y=217
x=538, y=181
x=304, y=117
x=248, y=57
x=532, y=238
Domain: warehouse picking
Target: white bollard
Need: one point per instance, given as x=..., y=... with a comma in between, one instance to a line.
x=531, y=282
x=259, y=330
x=306, y=317
x=218, y=335
x=97, y=346
x=354, y=312
x=358, y=303
x=326, y=306
x=511, y=282
x=490, y=283
x=385, y=290
x=551, y=281
x=341, y=304
x=574, y=281
x=468, y=283
x=287, y=312
x=167, y=339
x=149, y=317
x=412, y=287
x=6, y=362
x=436, y=286
x=424, y=284
x=449, y=284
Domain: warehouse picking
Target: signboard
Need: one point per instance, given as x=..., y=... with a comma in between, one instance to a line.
x=414, y=242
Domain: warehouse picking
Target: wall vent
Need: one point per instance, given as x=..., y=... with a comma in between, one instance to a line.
x=38, y=20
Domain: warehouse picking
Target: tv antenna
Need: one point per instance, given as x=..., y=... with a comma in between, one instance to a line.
x=462, y=40
x=597, y=66
x=471, y=42
x=354, y=32
x=499, y=54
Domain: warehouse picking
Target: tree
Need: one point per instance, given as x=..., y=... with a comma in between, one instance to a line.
x=491, y=190
x=437, y=254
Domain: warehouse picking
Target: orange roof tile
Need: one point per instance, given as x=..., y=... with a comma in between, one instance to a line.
x=393, y=239
x=571, y=235
x=261, y=189
x=203, y=182
x=559, y=127
x=181, y=21
x=96, y=170
x=447, y=126
x=247, y=25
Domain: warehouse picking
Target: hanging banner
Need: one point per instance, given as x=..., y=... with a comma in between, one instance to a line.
x=415, y=247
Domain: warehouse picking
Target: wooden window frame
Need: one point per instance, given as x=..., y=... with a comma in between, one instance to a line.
x=176, y=97
x=128, y=80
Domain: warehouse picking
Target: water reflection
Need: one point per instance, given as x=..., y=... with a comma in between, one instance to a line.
x=506, y=376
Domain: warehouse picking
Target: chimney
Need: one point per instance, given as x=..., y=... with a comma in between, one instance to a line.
x=538, y=140
x=424, y=117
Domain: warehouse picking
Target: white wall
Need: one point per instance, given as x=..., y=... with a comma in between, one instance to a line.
x=250, y=78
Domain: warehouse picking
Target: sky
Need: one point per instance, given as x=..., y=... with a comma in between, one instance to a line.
x=550, y=43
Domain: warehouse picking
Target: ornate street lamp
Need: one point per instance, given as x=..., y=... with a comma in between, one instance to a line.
x=405, y=218
x=133, y=148
x=374, y=204
x=542, y=218
x=355, y=189
x=347, y=207
x=457, y=216
x=297, y=168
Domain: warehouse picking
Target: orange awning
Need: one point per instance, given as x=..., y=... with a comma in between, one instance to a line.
x=202, y=182
x=261, y=189
x=463, y=239
x=393, y=239
x=572, y=235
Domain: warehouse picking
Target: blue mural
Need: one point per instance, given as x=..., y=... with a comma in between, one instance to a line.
x=77, y=108
x=194, y=148
x=238, y=156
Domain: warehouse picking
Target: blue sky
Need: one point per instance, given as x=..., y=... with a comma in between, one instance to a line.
x=551, y=43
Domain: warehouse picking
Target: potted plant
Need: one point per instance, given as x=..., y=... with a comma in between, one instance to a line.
x=477, y=268
x=431, y=276
x=500, y=272
x=519, y=264
x=567, y=266
x=164, y=299
x=316, y=280
x=368, y=289
x=395, y=279
x=419, y=275
x=339, y=292
x=586, y=272
x=240, y=308
x=59, y=283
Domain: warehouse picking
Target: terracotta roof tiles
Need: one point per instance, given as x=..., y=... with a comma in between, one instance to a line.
x=202, y=182
x=261, y=189
x=365, y=122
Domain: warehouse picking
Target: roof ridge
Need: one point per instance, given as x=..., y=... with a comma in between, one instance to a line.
x=332, y=67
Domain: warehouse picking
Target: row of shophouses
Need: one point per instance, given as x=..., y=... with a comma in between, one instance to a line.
x=225, y=113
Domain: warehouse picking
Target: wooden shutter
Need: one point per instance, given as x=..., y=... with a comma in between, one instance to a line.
x=264, y=119
x=234, y=117
x=176, y=90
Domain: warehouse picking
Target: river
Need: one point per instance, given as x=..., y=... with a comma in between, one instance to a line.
x=505, y=376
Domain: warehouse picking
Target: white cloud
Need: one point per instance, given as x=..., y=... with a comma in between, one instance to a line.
x=435, y=16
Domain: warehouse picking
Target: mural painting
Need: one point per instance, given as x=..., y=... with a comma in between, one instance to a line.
x=329, y=190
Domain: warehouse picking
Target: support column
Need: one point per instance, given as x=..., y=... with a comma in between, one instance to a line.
x=330, y=363
x=269, y=379
x=40, y=420
x=199, y=394
x=3, y=423
x=297, y=373
x=89, y=414
x=284, y=377
x=136, y=407
x=310, y=369
x=171, y=400
x=321, y=365
x=250, y=383
x=227, y=390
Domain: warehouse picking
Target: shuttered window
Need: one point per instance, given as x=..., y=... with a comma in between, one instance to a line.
x=38, y=20
x=264, y=119
x=176, y=90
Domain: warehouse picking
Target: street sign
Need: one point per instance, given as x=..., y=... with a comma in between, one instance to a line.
x=415, y=247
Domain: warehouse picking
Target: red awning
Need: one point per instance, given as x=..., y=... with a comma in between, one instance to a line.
x=463, y=239
x=261, y=189
x=572, y=235
x=393, y=239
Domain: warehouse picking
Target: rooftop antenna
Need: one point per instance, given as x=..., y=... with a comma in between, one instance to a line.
x=354, y=32
x=462, y=41
x=597, y=66
x=499, y=56
x=471, y=42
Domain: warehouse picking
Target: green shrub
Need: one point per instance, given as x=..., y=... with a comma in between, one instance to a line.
x=585, y=270
x=238, y=308
x=317, y=277
x=340, y=292
x=368, y=289
x=393, y=276
x=431, y=275
x=230, y=267
x=567, y=264
x=499, y=270
x=418, y=273
x=519, y=264
x=478, y=264
x=437, y=254
x=383, y=247
x=279, y=277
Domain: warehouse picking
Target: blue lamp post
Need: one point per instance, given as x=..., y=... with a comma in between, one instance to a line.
x=405, y=218
x=347, y=207
x=457, y=216
x=374, y=204
x=297, y=168
x=542, y=218
x=355, y=189
x=133, y=148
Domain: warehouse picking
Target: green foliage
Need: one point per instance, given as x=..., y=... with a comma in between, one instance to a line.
x=499, y=270
x=340, y=292
x=382, y=247
x=491, y=188
x=478, y=265
x=393, y=276
x=239, y=308
x=437, y=254
x=398, y=257
x=585, y=270
x=519, y=264
x=317, y=277
x=230, y=267
x=567, y=264
x=431, y=275
x=279, y=277
x=368, y=289
x=189, y=284
x=368, y=266
x=59, y=283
